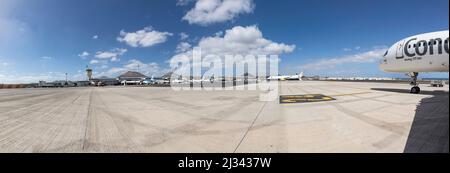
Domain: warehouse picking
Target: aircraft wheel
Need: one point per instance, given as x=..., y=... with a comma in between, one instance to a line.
x=415, y=90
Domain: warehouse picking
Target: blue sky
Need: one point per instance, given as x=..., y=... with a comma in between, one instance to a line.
x=43, y=39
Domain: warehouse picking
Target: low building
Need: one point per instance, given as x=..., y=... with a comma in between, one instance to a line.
x=44, y=84
x=131, y=78
x=56, y=84
x=83, y=83
x=105, y=81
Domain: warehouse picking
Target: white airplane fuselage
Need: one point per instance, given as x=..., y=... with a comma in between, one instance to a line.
x=291, y=77
x=427, y=52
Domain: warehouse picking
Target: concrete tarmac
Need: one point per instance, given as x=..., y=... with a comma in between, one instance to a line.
x=365, y=117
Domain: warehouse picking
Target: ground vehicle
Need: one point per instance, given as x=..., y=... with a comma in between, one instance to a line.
x=437, y=83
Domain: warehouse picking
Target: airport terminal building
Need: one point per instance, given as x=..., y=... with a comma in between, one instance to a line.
x=131, y=78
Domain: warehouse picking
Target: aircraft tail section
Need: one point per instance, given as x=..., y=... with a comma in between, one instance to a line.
x=300, y=76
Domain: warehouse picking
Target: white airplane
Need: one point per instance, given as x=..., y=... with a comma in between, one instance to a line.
x=179, y=80
x=296, y=77
x=204, y=80
x=420, y=53
x=286, y=77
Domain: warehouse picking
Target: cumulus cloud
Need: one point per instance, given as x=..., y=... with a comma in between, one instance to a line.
x=95, y=37
x=146, y=37
x=236, y=41
x=84, y=55
x=243, y=40
x=112, y=55
x=94, y=61
x=183, y=2
x=183, y=36
x=207, y=12
x=147, y=69
x=183, y=47
x=219, y=34
x=326, y=64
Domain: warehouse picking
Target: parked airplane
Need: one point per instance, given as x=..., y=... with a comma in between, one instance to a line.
x=291, y=77
x=204, y=80
x=179, y=81
x=154, y=80
x=427, y=52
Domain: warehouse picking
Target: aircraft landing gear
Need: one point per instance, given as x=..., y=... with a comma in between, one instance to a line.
x=415, y=89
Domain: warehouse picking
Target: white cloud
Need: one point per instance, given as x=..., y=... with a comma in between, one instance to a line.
x=207, y=12
x=327, y=64
x=84, y=55
x=4, y=65
x=94, y=61
x=219, y=34
x=183, y=47
x=347, y=49
x=147, y=69
x=115, y=59
x=183, y=36
x=47, y=58
x=112, y=55
x=95, y=37
x=183, y=2
x=244, y=41
x=236, y=41
x=351, y=49
x=240, y=40
x=146, y=37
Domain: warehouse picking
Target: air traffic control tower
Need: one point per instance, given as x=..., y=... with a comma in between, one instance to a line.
x=89, y=73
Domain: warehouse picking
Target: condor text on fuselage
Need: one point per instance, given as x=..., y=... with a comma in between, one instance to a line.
x=427, y=52
x=424, y=47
